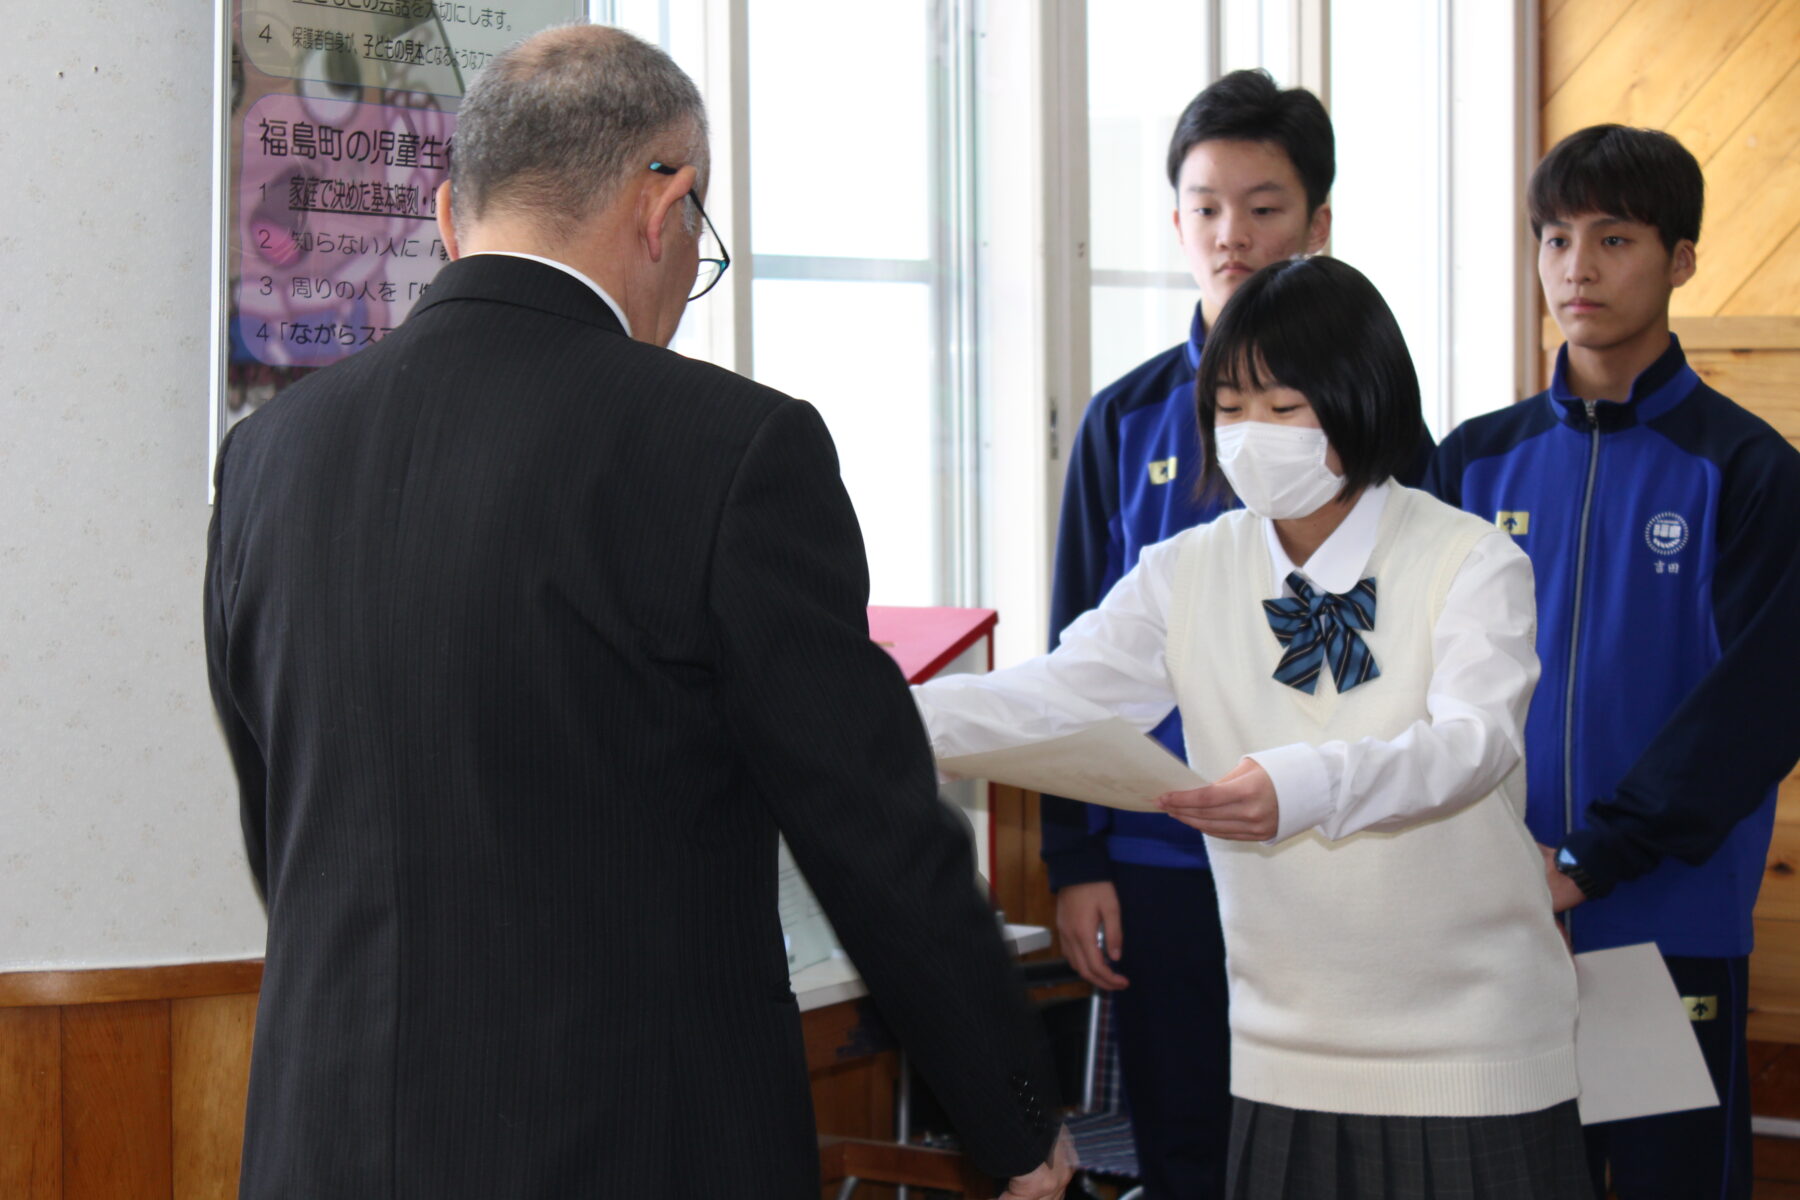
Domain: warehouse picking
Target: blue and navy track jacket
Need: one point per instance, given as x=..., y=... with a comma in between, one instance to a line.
x=1132, y=479
x=1665, y=535
x=1130, y=484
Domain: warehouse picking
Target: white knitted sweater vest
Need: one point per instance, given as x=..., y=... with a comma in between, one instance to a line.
x=1411, y=973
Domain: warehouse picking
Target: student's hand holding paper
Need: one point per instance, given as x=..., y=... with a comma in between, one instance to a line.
x=1240, y=807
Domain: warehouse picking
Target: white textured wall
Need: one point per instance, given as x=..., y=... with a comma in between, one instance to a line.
x=119, y=841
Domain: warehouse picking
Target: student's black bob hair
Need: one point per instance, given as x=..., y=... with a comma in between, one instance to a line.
x=1317, y=325
x=1246, y=106
x=1639, y=174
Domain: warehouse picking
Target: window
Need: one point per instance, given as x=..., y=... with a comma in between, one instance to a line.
x=950, y=223
x=857, y=245
x=850, y=248
x=1142, y=297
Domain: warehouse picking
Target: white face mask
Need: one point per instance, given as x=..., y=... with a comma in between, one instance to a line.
x=1278, y=471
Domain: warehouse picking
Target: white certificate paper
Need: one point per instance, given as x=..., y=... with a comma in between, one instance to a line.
x=1110, y=763
x=1635, y=1050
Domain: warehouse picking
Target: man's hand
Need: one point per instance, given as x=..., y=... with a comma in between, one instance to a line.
x=1564, y=895
x=1085, y=912
x=1050, y=1180
x=1240, y=807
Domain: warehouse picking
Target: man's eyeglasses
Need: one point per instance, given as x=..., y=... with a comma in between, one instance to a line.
x=712, y=266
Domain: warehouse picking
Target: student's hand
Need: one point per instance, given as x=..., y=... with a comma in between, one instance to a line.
x=1049, y=1181
x=1083, y=912
x=1564, y=895
x=1240, y=807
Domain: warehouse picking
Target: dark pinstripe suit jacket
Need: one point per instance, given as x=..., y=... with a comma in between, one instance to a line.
x=526, y=639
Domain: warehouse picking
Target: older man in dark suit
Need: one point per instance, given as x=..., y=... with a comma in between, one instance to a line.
x=527, y=636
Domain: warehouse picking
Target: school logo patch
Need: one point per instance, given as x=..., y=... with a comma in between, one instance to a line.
x=1162, y=471
x=1666, y=533
x=1516, y=523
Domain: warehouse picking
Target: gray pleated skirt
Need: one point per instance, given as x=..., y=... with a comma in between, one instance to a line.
x=1291, y=1154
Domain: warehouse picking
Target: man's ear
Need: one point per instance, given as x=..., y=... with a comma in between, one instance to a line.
x=1683, y=263
x=1318, y=230
x=658, y=195
x=446, y=227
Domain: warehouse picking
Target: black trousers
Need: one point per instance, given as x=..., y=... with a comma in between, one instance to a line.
x=1703, y=1154
x=1174, y=1044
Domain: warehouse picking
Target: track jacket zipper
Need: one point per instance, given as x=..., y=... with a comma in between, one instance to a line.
x=1587, y=508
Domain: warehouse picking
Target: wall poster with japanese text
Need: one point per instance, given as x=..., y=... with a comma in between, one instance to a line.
x=334, y=124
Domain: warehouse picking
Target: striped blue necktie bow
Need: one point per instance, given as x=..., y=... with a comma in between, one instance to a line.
x=1320, y=627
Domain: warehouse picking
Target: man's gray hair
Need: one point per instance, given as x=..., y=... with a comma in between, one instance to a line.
x=552, y=129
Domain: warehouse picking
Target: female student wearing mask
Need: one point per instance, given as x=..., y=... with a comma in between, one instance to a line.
x=1354, y=660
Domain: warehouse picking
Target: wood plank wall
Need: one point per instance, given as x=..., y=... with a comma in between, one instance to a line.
x=119, y=1085
x=130, y=1084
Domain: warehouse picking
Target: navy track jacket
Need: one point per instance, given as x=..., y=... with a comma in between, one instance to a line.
x=1665, y=534
x=1130, y=484
x=1132, y=481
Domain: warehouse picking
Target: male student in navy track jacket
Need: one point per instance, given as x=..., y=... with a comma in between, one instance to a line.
x=1663, y=522
x=1251, y=167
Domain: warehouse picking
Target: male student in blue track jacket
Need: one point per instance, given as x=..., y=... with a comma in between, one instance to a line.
x=1251, y=167
x=1663, y=522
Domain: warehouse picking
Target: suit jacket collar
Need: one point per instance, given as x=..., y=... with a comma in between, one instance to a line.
x=501, y=279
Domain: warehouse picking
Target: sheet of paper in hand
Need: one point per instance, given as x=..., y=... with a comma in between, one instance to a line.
x=1111, y=764
x=1635, y=1051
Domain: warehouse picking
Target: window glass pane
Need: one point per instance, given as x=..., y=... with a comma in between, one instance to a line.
x=1138, y=83
x=1131, y=324
x=1145, y=62
x=1389, y=165
x=839, y=114
x=678, y=28
x=861, y=354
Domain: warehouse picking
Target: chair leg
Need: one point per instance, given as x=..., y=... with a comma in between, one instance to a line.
x=1089, y=1068
x=849, y=1186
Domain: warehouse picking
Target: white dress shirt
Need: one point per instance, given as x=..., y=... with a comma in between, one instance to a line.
x=1111, y=663
x=568, y=270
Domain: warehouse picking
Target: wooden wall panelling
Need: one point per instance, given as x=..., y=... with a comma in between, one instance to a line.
x=115, y=1101
x=1775, y=982
x=1776, y=285
x=1751, y=184
x=1746, y=76
x=209, y=1060
x=1655, y=57
x=1572, y=28
x=35, y=989
x=1750, y=73
x=30, y=1104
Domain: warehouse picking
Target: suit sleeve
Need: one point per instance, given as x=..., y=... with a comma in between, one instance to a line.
x=1089, y=558
x=1734, y=737
x=835, y=747
x=246, y=756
